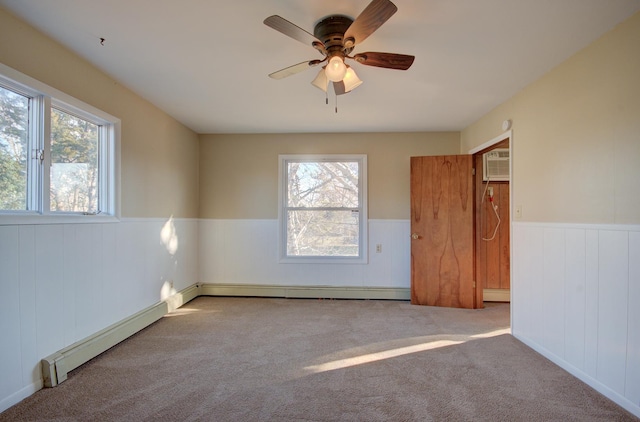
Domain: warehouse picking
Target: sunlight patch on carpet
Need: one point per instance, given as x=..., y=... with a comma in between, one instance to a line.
x=401, y=351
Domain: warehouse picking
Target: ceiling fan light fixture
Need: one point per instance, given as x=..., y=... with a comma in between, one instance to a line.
x=321, y=81
x=336, y=69
x=351, y=80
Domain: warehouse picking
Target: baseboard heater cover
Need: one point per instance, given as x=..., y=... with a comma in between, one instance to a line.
x=306, y=292
x=56, y=366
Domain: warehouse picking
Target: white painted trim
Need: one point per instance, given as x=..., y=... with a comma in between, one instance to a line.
x=51, y=97
x=56, y=366
x=26, y=219
x=505, y=135
x=622, y=401
x=314, y=292
x=363, y=218
x=491, y=142
x=20, y=395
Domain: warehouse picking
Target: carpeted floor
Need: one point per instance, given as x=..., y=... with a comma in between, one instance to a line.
x=251, y=359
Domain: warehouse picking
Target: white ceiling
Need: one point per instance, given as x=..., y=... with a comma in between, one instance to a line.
x=205, y=62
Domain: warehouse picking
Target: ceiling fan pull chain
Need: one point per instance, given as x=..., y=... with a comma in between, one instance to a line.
x=336, y=104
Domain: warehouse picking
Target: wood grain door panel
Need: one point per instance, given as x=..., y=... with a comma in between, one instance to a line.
x=442, y=245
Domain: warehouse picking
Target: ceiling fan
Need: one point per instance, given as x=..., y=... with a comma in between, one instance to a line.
x=335, y=38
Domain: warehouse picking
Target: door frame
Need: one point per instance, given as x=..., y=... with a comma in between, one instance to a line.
x=505, y=135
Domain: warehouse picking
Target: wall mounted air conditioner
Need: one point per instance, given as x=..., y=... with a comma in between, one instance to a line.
x=496, y=165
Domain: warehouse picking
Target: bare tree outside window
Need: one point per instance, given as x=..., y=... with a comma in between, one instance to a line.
x=322, y=210
x=14, y=130
x=74, y=163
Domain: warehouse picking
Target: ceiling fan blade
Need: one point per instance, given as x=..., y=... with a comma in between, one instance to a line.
x=371, y=18
x=386, y=60
x=289, y=29
x=296, y=68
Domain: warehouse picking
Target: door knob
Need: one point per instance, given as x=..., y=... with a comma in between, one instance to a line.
x=415, y=236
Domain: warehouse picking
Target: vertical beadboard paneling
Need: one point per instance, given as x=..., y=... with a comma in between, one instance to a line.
x=401, y=254
x=88, y=287
x=591, y=302
x=63, y=282
x=591, y=285
x=131, y=256
x=520, y=291
x=378, y=272
x=72, y=266
x=109, y=275
x=612, y=308
x=574, y=297
x=533, y=273
x=185, y=261
x=632, y=387
x=227, y=245
x=553, y=282
x=49, y=263
x=9, y=311
x=28, y=309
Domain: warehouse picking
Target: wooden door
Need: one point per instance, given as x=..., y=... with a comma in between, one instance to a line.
x=442, y=232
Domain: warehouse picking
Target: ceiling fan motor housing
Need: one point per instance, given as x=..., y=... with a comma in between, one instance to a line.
x=330, y=31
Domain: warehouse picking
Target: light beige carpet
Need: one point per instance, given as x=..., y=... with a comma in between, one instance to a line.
x=251, y=359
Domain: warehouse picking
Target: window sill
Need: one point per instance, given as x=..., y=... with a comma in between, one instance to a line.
x=36, y=219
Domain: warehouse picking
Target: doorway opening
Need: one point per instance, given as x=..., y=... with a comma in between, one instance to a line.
x=492, y=162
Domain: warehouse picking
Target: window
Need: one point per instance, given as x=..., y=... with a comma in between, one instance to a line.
x=323, y=213
x=57, y=154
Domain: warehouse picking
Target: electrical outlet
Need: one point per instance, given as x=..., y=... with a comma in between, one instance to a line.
x=379, y=248
x=518, y=212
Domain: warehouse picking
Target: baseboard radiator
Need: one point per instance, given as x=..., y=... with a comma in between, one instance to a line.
x=305, y=292
x=56, y=367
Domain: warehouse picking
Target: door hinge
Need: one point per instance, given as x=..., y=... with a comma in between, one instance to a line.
x=473, y=173
x=474, y=284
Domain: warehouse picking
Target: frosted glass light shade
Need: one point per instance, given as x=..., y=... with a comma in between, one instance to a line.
x=321, y=81
x=336, y=69
x=351, y=80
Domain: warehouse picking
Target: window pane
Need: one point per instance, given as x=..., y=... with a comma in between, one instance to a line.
x=74, y=163
x=322, y=184
x=14, y=130
x=322, y=233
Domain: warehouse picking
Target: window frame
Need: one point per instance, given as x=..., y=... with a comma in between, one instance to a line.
x=283, y=160
x=42, y=99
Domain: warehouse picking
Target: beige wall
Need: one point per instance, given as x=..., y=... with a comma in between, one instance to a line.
x=576, y=135
x=239, y=173
x=159, y=172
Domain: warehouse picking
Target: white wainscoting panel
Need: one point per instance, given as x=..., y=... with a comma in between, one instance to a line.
x=576, y=290
x=63, y=282
x=245, y=252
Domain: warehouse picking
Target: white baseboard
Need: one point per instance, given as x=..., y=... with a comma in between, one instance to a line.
x=617, y=398
x=496, y=295
x=56, y=366
x=19, y=395
x=312, y=292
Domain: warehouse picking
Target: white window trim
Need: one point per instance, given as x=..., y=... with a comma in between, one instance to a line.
x=363, y=218
x=46, y=95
